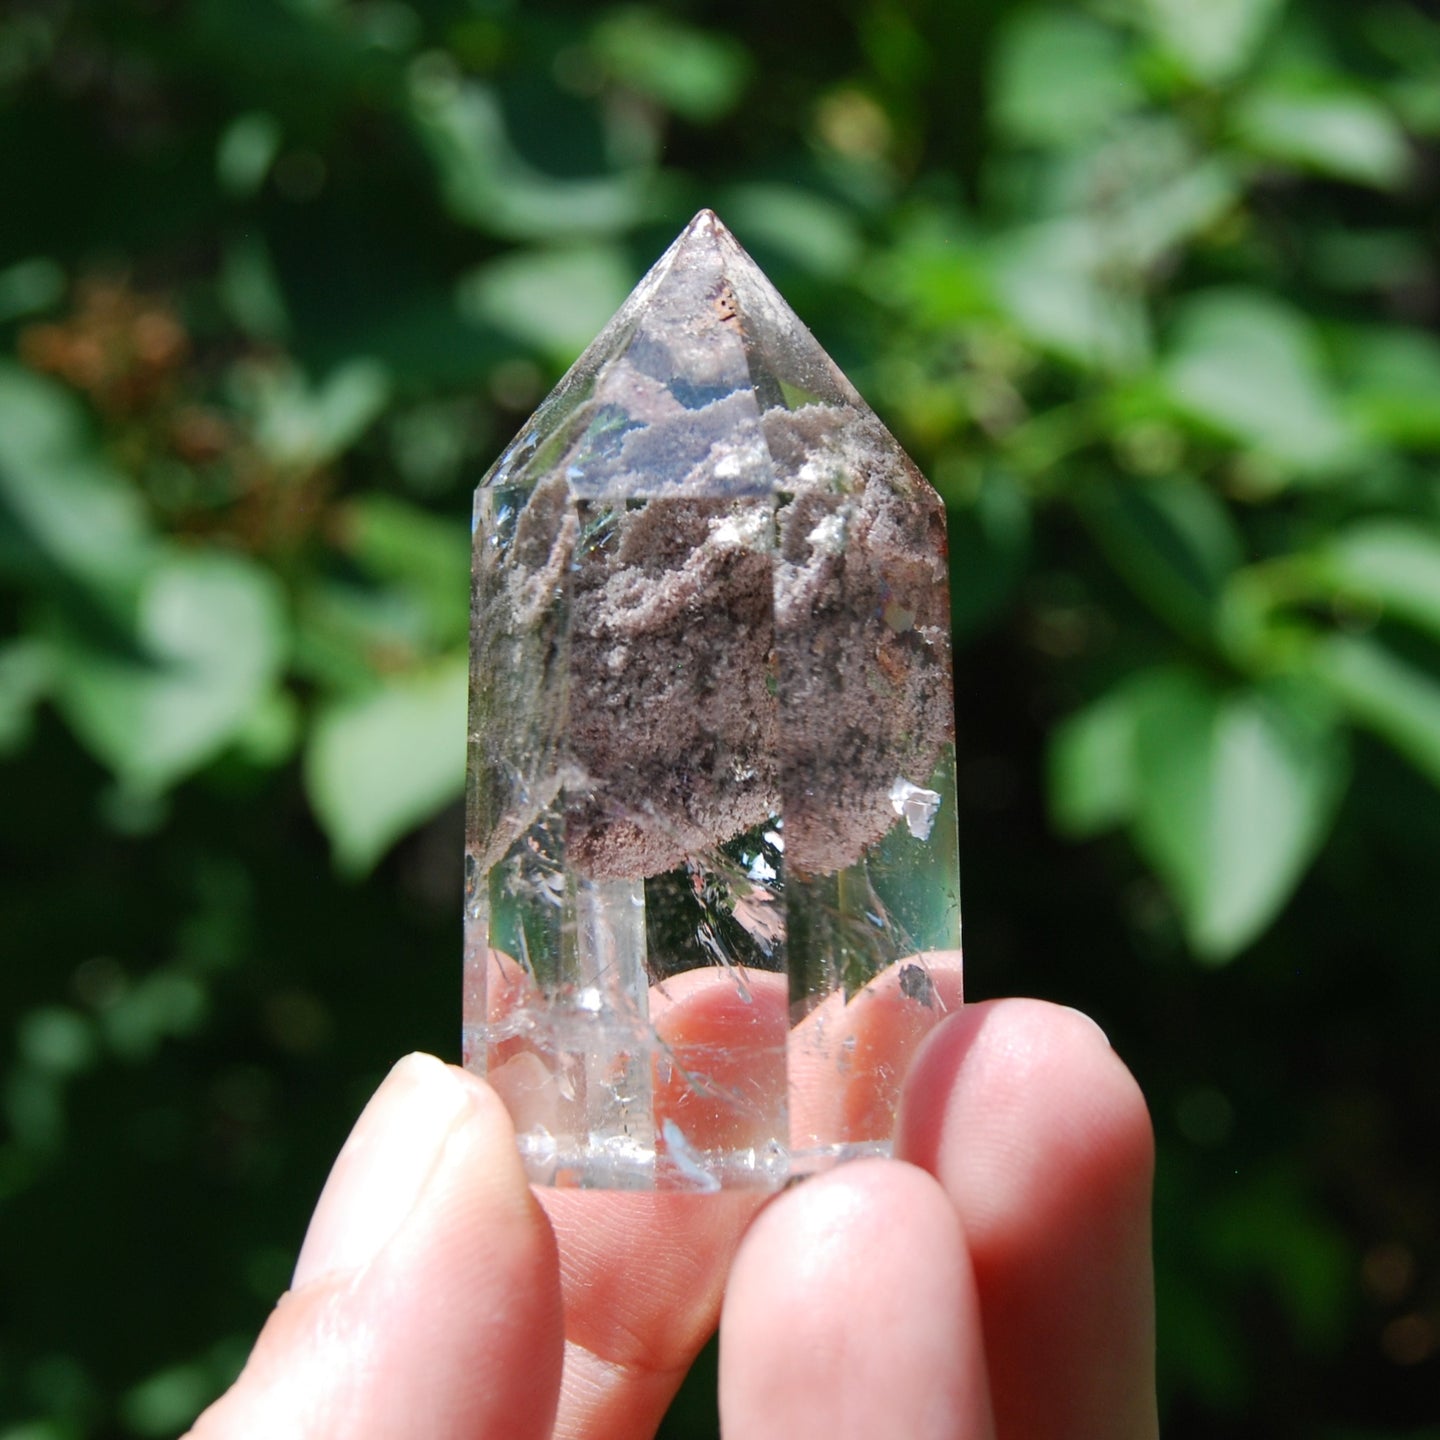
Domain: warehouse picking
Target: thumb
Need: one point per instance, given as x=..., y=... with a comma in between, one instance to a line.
x=426, y=1301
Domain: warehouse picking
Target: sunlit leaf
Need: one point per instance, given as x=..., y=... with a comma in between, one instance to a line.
x=430, y=442
x=1138, y=193
x=1214, y=41
x=1172, y=210
x=379, y=764
x=270, y=734
x=554, y=301
x=208, y=645
x=348, y=635
x=933, y=271
x=57, y=1040
x=1059, y=77
x=168, y=1401
x=1394, y=385
x=1051, y=280
x=487, y=184
x=1346, y=135
x=249, y=288
x=26, y=670
x=1092, y=767
x=1235, y=794
x=65, y=514
x=246, y=151
x=1247, y=366
x=1393, y=564
x=1388, y=696
x=814, y=232
x=428, y=556
x=696, y=73
x=303, y=425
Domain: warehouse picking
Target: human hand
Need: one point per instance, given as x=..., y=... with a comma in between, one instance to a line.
x=997, y=1284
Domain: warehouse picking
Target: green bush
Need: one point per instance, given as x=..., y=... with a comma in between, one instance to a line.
x=1149, y=289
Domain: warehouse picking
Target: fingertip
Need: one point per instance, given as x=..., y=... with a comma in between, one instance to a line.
x=851, y=1311
x=470, y=1289
x=1003, y=1082
x=383, y=1166
x=427, y=1296
x=1041, y=1138
x=490, y=1128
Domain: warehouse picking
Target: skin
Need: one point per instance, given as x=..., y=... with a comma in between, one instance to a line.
x=993, y=1279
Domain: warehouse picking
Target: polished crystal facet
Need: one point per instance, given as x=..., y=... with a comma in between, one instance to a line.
x=712, y=899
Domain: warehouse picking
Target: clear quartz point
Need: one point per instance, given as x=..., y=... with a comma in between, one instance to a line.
x=712, y=890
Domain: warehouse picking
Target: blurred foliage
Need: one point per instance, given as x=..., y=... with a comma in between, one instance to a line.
x=1149, y=287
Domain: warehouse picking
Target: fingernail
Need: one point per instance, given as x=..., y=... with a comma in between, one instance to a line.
x=1090, y=1020
x=383, y=1167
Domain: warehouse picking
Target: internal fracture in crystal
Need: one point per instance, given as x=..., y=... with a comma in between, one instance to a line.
x=712, y=894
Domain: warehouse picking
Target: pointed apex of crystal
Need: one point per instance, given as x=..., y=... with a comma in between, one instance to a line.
x=685, y=390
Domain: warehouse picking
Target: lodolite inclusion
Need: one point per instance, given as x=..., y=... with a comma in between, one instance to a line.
x=712, y=891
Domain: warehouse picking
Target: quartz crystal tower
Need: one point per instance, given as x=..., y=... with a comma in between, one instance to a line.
x=712, y=898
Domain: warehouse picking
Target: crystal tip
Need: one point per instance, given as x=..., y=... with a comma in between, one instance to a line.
x=705, y=219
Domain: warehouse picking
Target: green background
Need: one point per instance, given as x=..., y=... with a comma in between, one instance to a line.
x=1149, y=288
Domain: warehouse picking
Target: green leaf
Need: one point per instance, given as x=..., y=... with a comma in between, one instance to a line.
x=1235, y=794
x=1171, y=211
x=1133, y=198
x=247, y=150
x=270, y=735
x=814, y=232
x=249, y=288
x=1212, y=41
x=1386, y=695
x=26, y=674
x=379, y=764
x=431, y=442
x=1092, y=776
x=348, y=635
x=427, y=556
x=65, y=515
x=56, y=1039
x=304, y=426
x=1248, y=366
x=208, y=647
x=697, y=74
x=1344, y=135
x=28, y=286
x=1171, y=538
x=933, y=272
x=166, y=1002
x=1051, y=279
x=1390, y=563
x=1059, y=78
x=1361, y=262
x=485, y=182
x=1272, y=1226
x=554, y=301
x=1394, y=385
x=167, y=1402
